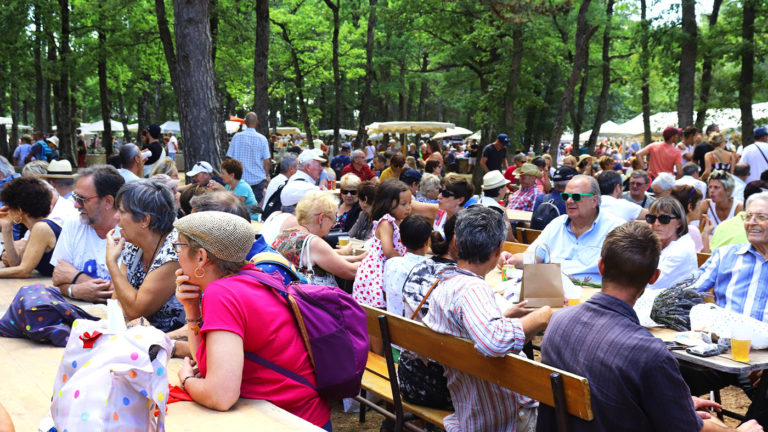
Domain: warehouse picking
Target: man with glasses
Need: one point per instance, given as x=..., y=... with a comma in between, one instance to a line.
x=738, y=274
x=638, y=189
x=358, y=167
x=575, y=238
x=80, y=254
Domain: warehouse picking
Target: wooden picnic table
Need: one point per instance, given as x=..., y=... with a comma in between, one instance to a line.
x=28, y=369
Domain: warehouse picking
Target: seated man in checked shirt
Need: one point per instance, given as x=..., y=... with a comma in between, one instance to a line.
x=523, y=198
x=462, y=305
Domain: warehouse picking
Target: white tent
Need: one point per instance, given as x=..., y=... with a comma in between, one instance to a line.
x=475, y=136
x=288, y=130
x=452, y=132
x=133, y=127
x=342, y=132
x=232, y=126
x=99, y=127
x=408, y=127
x=170, y=126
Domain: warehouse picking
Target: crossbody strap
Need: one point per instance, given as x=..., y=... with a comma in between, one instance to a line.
x=426, y=296
x=761, y=152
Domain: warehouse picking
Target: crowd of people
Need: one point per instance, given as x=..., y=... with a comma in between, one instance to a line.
x=631, y=219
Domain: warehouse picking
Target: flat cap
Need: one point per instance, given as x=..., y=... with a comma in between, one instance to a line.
x=223, y=235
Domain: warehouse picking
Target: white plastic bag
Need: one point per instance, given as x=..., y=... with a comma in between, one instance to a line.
x=711, y=318
x=113, y=385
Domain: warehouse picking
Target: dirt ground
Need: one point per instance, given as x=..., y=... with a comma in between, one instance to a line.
x=349, y=422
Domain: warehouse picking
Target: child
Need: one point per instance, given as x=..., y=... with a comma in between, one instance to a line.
x=415, y=230
x=391, y=205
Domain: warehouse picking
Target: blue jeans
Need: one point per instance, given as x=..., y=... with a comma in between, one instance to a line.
x=172, y=156
x=258, y=190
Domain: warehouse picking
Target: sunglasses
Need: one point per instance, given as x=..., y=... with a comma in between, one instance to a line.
x=446, y=193
x=81, y=199
x=638, y=184
x=576, y=197
x=348, y=192
x=664, y=219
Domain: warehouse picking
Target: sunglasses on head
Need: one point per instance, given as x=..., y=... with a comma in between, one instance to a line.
x=349, y=192
x=576, y=197
x=446, y=193
x=664, y=219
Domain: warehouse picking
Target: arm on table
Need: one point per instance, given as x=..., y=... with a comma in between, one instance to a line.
x=330, y=261
x=40, y=238
x=220, y=388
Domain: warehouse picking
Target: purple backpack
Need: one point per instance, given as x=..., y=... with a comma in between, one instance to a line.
x=333, y=327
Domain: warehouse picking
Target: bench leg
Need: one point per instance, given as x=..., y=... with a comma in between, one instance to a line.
x=399, y=420
x=363, y=394
x=558, y=393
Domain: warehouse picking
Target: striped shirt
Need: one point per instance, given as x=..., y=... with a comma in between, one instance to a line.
x=251, y=149
x=735, y=273
x=462, y=305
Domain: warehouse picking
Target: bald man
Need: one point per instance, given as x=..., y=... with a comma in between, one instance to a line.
x=252, y=150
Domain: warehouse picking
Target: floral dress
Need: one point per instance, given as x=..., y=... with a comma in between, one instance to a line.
x=171, y=315
x=290, y=244
x=368, y=288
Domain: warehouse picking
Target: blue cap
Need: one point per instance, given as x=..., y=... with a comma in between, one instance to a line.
x=410, y=176
x=503, y=138
x=760, y=132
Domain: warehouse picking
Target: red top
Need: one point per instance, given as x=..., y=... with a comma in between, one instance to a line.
x=365, y=172
x=663, y=158
x=241, y=305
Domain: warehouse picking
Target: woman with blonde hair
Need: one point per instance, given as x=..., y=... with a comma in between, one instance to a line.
x=720, y=158
x=304, y=247
x=349, y=210
x=165, y=166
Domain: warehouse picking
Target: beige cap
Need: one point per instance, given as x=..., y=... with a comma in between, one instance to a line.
x=223, y=235
x=528, y=169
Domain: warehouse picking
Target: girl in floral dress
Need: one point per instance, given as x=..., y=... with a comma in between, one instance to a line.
x=391, y=205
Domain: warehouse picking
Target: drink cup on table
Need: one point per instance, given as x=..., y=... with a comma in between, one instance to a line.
x=343, y=240
x=741, y=339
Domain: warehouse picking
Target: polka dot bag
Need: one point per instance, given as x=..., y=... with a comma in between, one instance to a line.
x=111, y=382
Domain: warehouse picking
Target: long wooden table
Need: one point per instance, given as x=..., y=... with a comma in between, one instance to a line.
x=28, y=369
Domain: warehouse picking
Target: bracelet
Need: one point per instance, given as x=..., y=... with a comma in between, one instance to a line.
x=184, y=382
x=74, y=280
x=197, y=320
x=69, y=291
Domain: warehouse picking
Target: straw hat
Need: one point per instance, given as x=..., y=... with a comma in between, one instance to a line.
x=223, y=235
x=528, y=169
x=61, y=169
x=494, y=179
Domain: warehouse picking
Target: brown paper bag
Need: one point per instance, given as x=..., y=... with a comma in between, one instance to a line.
x=542, y=285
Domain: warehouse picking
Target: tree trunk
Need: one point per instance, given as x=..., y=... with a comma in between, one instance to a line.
x=261, y=70
x=583, y=35
x=335, y=6
x=123, y=118
x=706, y=67
x=645, y=72
x=686, y=78
x=198, y=104
x=40, y=99
x=213, y=11
x=299, y=83
x=578, y=112
x=747, y=71
x=49, y=116
x=103, y=89
x=64, y=115
x=514, y=78
x=8, y=148
x=365, y=101
x=602, y=104
x=167, y=40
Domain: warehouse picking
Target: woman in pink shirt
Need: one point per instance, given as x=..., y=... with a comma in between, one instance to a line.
x=232, y=316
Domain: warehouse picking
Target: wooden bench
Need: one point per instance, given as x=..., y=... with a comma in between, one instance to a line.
x=514, y=248
x=526, y=235
x=567, y=393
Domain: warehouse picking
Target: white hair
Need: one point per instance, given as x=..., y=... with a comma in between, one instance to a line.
x=760, y=196
x=665, y=181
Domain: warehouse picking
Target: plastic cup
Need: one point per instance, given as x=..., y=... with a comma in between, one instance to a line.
x=741, y=340
x=343, y=240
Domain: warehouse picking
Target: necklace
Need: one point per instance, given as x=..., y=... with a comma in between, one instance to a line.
x=152, y=258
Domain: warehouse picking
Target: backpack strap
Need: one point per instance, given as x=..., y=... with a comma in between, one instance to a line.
x=761, y=152
x=423, y=300
x=277, y=260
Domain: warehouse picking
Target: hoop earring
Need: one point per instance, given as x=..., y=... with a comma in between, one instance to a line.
x=199, y=276
x=17, y=219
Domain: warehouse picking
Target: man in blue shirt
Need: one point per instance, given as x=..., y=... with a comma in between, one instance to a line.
x=575, y=238
x=341, y=160
x=634, y=380
x=252, y=150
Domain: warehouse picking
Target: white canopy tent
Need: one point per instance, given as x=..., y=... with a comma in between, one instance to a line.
x=99, y=127
x=408, y=127
x=475, y=136
x=170, y=126
x=288, y=130
x=452, y=132
x=342, y=132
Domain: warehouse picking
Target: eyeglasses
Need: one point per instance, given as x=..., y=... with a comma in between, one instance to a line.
x=757, y=217
x=177, y=246
x=664, y=219
x=348, y=192
x=575, y=196
x=446, y=193
x=638, y=184
x=79, y=199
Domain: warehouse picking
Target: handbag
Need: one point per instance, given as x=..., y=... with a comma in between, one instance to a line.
x=111, y=380
x=306, y=269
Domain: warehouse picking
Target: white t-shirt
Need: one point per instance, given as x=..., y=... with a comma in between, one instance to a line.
x=370, y=152
x=619, y=208
x=272, y=226
x=677, y=261
x=756, y=160
x=173, y=144
x=272, y=186
x=64, y=210
x=487, y=201
x=80, y=246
